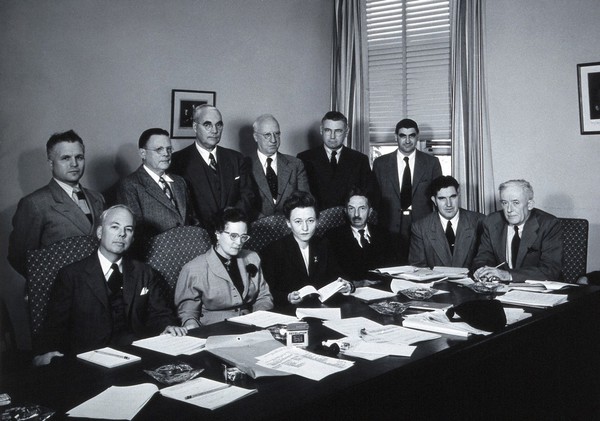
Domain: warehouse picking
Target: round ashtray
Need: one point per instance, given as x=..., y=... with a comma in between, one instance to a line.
x=418, y=293
x=389, y=308
x=483, y=287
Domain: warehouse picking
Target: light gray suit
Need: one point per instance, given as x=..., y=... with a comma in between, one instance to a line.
x=154, y=211
x=429, y=246
x=291, y=176
x=46, y=216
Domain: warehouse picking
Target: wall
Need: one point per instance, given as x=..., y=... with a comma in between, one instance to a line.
x=532, y=51
x=106, y=69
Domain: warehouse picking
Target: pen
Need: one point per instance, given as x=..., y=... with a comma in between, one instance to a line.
x=206, y=392
x=497, y=266
x=125, y=357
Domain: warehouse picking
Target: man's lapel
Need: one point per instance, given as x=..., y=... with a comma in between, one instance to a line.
x=530, y=232
x=65, y=205
x=94, y=277
x=437, y=238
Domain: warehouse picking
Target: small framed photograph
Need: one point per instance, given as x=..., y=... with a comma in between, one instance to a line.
x=183, y=103
x=588, y=81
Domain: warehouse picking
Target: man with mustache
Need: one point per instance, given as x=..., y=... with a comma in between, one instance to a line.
x=449, y=236
x=358, y=245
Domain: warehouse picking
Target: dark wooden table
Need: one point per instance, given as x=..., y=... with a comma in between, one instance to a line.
x=544, y=367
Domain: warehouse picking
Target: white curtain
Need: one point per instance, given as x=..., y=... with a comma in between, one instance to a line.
x=348, y=74
x=471, y=144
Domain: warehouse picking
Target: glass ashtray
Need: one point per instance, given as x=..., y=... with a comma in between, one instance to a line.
x=418, y=293
x=174, y=373
x=484, y=287
x=389, y=308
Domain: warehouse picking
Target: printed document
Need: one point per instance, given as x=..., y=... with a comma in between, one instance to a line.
x=263, y=319
x=172, y=345
x=206, y=393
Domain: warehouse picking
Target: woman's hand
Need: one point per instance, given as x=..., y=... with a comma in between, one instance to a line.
x=294, y=297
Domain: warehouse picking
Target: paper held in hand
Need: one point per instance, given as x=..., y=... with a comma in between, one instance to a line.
x=324, y=293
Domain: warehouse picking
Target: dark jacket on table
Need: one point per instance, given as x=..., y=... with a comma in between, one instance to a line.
x=46, y=216
x=331, y=188
x=355, y=261
x=284, y=269
x=429, y=246
x=79, y=313
x=540, y=249
x=234, y=185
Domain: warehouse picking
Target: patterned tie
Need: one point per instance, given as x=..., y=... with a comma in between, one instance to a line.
x=79, y=198
x=167, y=190
x=333, y=161
x=271, y=179
x=514, y=247
x=406, y=189
x=115, y=281
x=450, y=236
x=212, y=162
x=363, y=239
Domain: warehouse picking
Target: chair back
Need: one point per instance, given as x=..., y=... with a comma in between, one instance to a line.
x=266, y=230
x=169, y=251
x=42, y=267
x=575, y=244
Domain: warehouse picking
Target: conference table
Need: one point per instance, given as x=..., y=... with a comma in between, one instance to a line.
x=544, y=367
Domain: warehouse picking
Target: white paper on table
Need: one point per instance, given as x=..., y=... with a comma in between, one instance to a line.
x=352, y=326
x=350, y=344
x=461, y=281
x=206, y=393
x=108, y=357
x=394, y=270
x=452, y=272
x=263, y=319
x=532, y=299
x=371, y=294
x=319, y=313
x=397, y=335
x=398, y=285
x=172, y=345
x=552, y=285
x=384, y=349
x=302, y=363
x=116, y=403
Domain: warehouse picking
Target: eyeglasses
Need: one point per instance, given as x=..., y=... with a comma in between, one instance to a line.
x=161, y=150
x=336, y=132
x=208, y=126
x=269, y=136
x=233, y=236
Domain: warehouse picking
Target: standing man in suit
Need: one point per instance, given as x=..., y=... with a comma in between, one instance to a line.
x=358, y=245
x=403, y=179
x=106, y=298
x=217, y=177
x=333, y=169
x=519, y=242
x=160, y=201
x=276, y=175
x=449, y=236
x=59, y=210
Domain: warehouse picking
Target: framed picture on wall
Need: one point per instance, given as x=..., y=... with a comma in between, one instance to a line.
x=588, y=81
x=182, y=107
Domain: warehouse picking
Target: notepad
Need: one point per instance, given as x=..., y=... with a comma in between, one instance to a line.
x=368, y=294
x=532, y=299
x=172, y=345
x=263, y=319
x=206, y=393
x=108, y=357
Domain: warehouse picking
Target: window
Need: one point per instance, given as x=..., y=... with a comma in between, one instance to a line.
x=408, y=51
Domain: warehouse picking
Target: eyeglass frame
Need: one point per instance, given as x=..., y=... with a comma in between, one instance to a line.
x=270, y=135
x=233, y=236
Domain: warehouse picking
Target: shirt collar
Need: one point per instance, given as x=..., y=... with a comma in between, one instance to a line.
x=67, y=188
x=155, y=176
x=338, y=152
x=106, y=264
x=204, y=153
x=263, y=159
x=454, y=220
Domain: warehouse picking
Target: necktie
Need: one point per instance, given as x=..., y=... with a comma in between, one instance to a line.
x=79, y=198
x=514, y=247
x=115, y=281
x=450, y=236
x=271, y=179
x=333, y=161
x=363, y=239
x=167, y=190
x=406, y=189
x=212, y=162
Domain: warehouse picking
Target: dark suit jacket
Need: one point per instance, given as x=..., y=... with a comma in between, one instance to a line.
x=540, y=250
x=385, y=167
x=153, y=210
x=284, y=270
x=355, y=261
x=429, y=247
x=46, y=216
x=330, y=189
x=290, y=177
x=79, y=314
x=236, y=185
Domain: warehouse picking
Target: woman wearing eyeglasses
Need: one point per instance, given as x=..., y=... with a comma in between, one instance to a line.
x=224, y=282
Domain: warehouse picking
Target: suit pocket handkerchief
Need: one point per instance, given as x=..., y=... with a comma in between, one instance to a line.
x=144, y=291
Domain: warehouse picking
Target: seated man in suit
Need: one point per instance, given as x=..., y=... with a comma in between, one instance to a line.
x=299, y=258
x=217, y=177
x=276, y=175
x=519, y=242
x=59, y=210
x=105, y=299
x=358, y=245
x=449, y=236
x=333, y=169
x=160, y=201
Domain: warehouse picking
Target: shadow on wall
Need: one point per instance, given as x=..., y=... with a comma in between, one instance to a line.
x=247, y=144
x=108, y=171
x=34, y=170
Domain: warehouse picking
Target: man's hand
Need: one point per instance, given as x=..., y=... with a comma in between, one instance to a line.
x=175, y=331
x=44, y=359
x=294, y=297
x=488, y=273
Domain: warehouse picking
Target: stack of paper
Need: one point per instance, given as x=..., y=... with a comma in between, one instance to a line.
x=398, y=285
x=368, y=294
x=532, y=299
x=263, y=319
x=541, y=286
x=206, y=393
x=319, y=313
x=452, y=272
x=352, y=326
x=394, y=270
x=172, y=345
x=116, y=403
x=108, y=357
x=422, y=275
